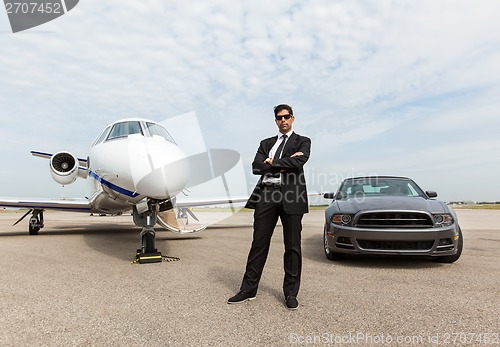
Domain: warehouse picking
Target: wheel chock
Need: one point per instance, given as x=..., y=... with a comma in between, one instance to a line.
x=144, y=258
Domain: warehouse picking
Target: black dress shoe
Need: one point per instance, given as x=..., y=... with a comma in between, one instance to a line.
x=291, y=303
x=241, y=297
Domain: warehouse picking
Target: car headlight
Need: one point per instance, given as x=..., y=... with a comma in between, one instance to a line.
x=443, y=219
x=343, y=219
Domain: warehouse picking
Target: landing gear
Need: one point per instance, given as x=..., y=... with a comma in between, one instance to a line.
x=36, y=221
x=146, y=216
x=148, y=241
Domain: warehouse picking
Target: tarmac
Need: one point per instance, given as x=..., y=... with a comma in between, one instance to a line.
x=74, y=284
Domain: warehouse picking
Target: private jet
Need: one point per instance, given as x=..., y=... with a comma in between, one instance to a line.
x=134, y=166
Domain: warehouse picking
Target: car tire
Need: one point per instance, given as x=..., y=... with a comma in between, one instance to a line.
x=453, y=258
x=328, y=252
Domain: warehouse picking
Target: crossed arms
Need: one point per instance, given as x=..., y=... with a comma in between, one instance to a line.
x=262, y=164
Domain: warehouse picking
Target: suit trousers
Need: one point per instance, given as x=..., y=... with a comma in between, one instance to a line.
x=266, y=214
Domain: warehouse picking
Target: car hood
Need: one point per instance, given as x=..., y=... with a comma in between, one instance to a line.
x=351, y=206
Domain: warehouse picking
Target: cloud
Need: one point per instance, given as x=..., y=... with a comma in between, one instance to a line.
x=357, y=73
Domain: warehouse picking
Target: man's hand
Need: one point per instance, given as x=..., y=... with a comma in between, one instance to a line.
x=270, y=160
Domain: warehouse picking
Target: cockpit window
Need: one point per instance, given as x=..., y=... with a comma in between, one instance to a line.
x=124, y=129
x=156, y=129
x=101, y=137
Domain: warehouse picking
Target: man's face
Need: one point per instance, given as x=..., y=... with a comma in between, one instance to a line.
x=284, y=125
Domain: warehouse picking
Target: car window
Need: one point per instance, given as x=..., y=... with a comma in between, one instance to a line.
x=379, y=187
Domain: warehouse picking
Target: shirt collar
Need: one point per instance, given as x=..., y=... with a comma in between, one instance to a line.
x=288, y=134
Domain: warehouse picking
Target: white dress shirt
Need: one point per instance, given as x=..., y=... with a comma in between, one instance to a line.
x=272, y=153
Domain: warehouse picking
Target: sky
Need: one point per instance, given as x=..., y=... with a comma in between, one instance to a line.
x=406, y=88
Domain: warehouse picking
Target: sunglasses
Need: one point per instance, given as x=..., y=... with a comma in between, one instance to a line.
x=286, y=116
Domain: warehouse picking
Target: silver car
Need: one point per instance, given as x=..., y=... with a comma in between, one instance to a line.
x=388, y=215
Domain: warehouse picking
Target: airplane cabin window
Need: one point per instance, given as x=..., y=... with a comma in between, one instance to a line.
x=156, y=129
x=124, y=129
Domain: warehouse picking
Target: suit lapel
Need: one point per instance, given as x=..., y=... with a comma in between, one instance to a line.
x=290, y=144
x=270, y=143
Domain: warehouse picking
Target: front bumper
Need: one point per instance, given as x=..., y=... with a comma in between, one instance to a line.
x=432, y=241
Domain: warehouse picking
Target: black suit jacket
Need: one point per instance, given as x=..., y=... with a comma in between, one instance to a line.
x=293, y=183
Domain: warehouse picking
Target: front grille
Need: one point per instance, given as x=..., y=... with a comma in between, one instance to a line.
x=396, y=245
x=394, y=219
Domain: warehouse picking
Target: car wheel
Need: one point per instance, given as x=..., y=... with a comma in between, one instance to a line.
x=328, y=252
x=453, y=258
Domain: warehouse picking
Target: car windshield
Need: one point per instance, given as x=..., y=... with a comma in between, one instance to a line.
x=379, y=186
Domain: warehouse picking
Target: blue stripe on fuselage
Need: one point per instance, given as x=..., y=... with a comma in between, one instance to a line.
x=112, y=186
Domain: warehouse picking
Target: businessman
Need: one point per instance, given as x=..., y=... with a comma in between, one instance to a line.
x=280, y=193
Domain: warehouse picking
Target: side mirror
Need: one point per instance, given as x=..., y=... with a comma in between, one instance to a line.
x=431, y=194
x=329, y=195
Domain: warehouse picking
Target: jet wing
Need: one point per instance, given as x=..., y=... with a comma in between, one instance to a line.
x=81, y=162
x=190, y=202
x=73, y=205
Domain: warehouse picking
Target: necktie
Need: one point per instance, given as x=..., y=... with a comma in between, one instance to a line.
x=279, y=150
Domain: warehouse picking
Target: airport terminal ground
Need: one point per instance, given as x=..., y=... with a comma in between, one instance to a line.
x=74, y=285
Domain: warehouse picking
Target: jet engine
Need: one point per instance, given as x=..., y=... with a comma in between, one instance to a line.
x=64, y=168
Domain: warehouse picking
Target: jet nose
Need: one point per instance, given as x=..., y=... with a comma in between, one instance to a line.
x=163, y=172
